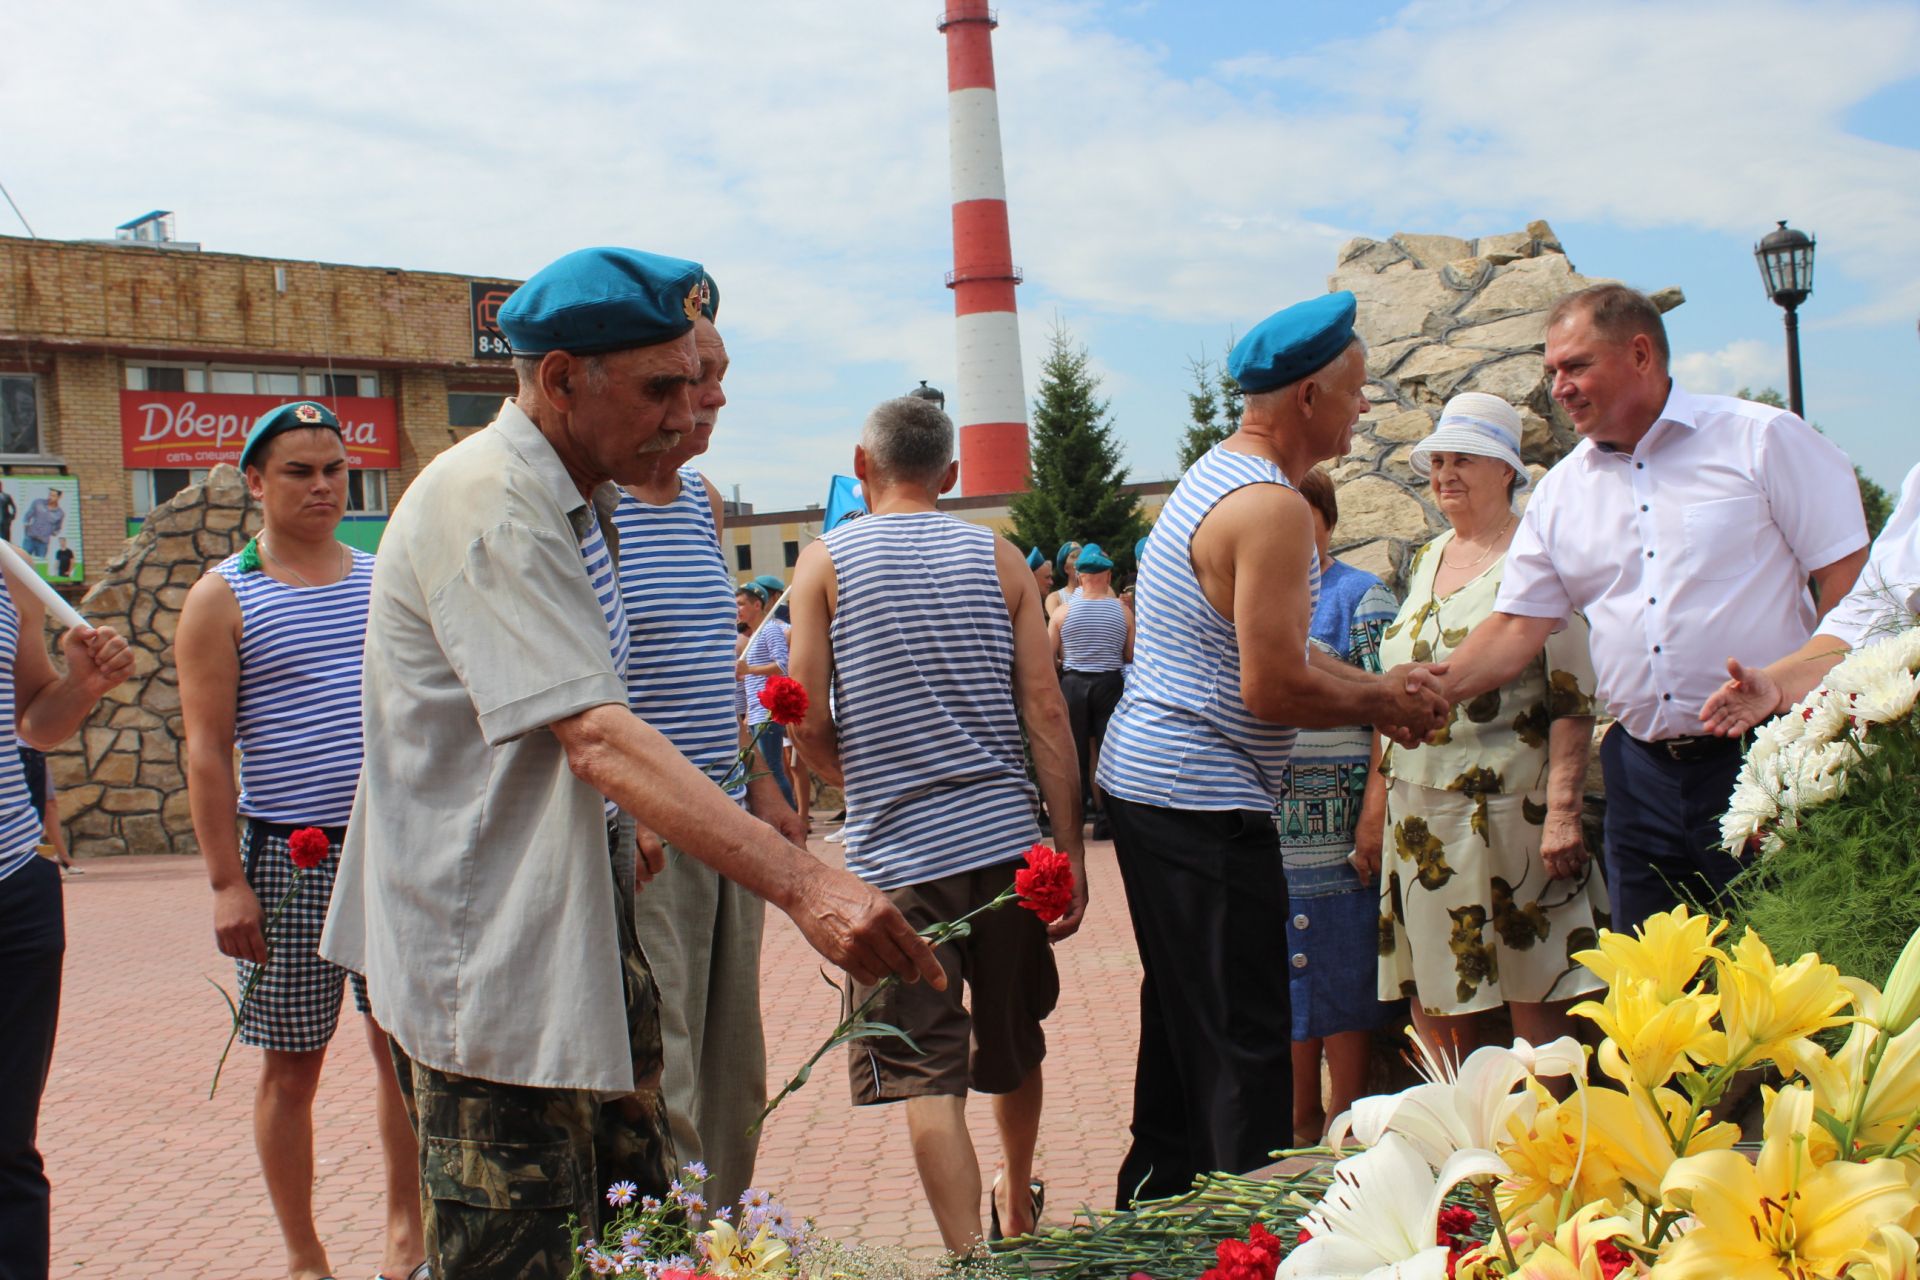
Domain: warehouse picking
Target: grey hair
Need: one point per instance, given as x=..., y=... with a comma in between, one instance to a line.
x=593, y=369
x=908, y=439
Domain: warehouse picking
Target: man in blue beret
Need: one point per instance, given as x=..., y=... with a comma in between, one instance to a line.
x=701, y=931
x=1066, y=571
x=1194, y=756
x=1042, y=571
x=477, y=887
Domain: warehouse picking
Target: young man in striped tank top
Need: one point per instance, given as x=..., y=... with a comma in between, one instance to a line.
x=41, y=708
x=701, y=932
x=1222, y=677
x=930, y=631
x=1093, y=641
x=269, y=650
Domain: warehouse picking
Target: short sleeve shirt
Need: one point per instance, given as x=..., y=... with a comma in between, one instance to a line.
x=1888, y=593
x=1692, y=549
x=475, y=888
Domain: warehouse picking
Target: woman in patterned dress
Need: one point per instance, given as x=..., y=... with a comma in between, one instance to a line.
x=1487, y=890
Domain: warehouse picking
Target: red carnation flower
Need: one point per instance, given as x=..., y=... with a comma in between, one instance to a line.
x=1045, y=884
x=785, y=700
x=1612, y=1258
x=308, y=847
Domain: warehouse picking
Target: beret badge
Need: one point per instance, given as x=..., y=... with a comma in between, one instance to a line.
x=306, y=412
x=696, y=301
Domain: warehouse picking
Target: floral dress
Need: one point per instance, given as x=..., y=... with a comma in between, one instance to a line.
x=1469, y=918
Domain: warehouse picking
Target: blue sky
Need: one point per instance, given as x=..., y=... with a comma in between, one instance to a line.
x=1175, y=171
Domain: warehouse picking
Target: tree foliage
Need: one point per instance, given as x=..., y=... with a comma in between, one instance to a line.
x=1874, y=500
x=1213, y=409
x=1078, y=480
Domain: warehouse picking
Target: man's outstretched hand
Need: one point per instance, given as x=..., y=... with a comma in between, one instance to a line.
x=854, y=926
x=1749, y=697
x=1416, y=706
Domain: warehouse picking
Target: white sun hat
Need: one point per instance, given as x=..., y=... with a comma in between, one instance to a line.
x=1477, y=423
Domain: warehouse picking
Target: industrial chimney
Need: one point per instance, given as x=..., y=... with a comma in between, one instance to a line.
x=990, y=393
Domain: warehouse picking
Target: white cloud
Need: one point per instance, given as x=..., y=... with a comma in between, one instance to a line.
x=1745, y=362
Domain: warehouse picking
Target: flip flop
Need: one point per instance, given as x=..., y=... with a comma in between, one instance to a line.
x=1036, y=1189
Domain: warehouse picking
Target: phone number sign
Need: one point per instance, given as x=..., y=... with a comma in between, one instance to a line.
x=486, y=296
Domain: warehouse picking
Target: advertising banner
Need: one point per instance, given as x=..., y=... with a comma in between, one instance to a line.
x=41, y=516
x=202, y=429
x=484, y=299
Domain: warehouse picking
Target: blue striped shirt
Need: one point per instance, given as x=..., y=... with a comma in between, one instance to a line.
x=606, y=588
x=297, y=710
x=1182, y=738
x=770, y=645
x=1094, y=636
x=923, y=701
x=21, y=829
x=680, y=613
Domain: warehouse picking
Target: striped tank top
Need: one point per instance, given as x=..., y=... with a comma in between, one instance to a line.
x=680, y=615
x=606, y=589
x=1181, y=737
x=923, y=700
x=1094, y=636
x=297, y=711
x=21, y=829
x=770, y=645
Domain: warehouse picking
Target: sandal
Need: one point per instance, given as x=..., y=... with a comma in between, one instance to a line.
x=1036, y=1189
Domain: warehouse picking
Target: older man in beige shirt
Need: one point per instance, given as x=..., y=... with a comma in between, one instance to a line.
x=476, y=892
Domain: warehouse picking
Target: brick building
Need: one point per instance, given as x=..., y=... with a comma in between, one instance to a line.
x=128, y=367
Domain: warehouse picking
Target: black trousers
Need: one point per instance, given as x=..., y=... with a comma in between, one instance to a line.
x=1091, y=697
x=1662, y=830
x=33, y=942
x=1213, y=1087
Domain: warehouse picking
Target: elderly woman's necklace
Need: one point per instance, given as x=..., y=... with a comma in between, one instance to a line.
x=1476, y=563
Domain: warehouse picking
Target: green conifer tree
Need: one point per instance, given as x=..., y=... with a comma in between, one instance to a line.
x=1078, y=480
x=1214, y=407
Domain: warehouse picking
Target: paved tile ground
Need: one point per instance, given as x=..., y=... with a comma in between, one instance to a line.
x=151, y=1178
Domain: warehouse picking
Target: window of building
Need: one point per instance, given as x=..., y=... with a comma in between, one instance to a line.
x=230, y=380
x=19, y=414
x=473, y=408
x=366, y=490
x=793, y=553
x=743, y=557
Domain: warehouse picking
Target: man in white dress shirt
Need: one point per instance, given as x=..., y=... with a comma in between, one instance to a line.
x=1685, y=528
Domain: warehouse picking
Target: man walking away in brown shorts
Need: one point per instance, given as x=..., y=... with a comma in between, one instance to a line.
x=932, y=633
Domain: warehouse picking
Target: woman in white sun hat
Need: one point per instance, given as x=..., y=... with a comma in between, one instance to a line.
x=1486, y=887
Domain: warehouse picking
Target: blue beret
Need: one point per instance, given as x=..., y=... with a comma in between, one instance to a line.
x=1035, y=559
x=1060, y=556
x=773, y=585
x=1093, y=559
x=598, y=300
x=1139, y=554
x=301, y=415
x=1288, y=345
x=754, y=589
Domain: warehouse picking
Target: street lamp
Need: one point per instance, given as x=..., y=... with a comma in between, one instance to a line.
x=1786, y=266
x=933, y=394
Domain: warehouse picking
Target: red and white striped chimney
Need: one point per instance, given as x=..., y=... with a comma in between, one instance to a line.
x=991, y=395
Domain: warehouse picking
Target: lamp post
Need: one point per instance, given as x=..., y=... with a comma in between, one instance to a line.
x=933, y=394
x=1786, y=266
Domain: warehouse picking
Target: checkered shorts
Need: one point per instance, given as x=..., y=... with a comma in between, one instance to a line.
x=297, y=1004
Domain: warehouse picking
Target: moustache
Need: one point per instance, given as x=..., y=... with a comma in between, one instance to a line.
x=663, y=442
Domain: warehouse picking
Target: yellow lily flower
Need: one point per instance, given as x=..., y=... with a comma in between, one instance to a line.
x=1649, y=1036
x=1667, y=950
x=1891, y=1255
x=1632, y=1146
x=731, y=1254
x=1836, y=1079
x=1575, y=1252
x=1781, y=1215
x=1766, y=1006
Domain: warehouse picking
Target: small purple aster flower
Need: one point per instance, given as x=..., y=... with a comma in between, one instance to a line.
x=697, y=1171
x=621, y=1194
x=601, y=1264
x=634, y=1240
x=723, y=1214
x=755, y=1198
x=649, y=1205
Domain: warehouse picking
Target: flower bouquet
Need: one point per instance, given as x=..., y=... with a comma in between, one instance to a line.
x=683, y=1238
x=1824, y=803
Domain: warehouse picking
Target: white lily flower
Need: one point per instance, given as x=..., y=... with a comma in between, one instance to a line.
x=1464, y=1108
x=1379, y=1219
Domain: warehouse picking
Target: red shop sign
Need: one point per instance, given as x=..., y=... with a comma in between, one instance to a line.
x=202, y=429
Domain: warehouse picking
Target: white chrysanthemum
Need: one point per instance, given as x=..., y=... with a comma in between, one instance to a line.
x=1864, y=668
x=1888, y=698
x=1752, y=809
x=1906, y=647
x=1826, y=716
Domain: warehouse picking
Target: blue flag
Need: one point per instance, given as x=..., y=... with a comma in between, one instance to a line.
x=845, y=500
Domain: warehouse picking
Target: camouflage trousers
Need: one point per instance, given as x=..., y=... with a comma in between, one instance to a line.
x=505, y=1170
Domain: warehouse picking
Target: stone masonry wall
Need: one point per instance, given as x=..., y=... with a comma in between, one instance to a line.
x=1439, y=315
x=122, y=783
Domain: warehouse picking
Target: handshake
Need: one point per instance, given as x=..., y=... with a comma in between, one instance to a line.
x=1414, y=704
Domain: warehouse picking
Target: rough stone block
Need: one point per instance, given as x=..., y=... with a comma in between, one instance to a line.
x=97, y=742
x=117, y=767
x=1376, y=507
x=1395, y=305
x=69, y=769
x=1543, y=235
x=176, y=813
x=172, y=597
x=1517, y=333
x=1520, y=380
x=185, y=575
x=173, y=518
x=1505, y=248
x=161, y=697
x=145, y=834
x=1376, y=558
x=226, y=487
x=213, y=546
x=1433, y=252
x=1531, y=284
x=1437, y=365
x=108, y=598
x=165, y=623
x=1467, y=273
x=151, y=576
x=1403, y=427
x=95, y=824
x=1668, y=298
x=98, y=847
x=224, y=518
x=1361, y=253
x=77, y=800
x=131, y=800
x=166, y=777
